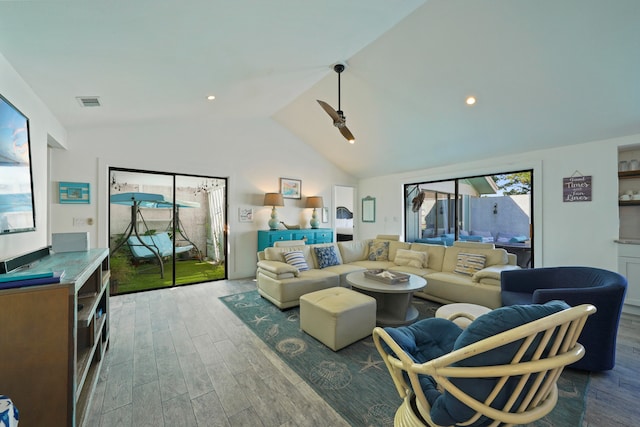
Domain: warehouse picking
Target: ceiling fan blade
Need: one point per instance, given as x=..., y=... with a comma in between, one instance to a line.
x=347, y=134
x=330, y=111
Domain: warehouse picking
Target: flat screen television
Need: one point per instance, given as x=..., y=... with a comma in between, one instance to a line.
x=17, y=207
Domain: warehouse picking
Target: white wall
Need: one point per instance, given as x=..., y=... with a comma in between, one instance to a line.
x=579, y=233
x=43, y=126
x=252, y=155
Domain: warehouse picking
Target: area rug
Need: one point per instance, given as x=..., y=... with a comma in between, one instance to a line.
x=354, y=380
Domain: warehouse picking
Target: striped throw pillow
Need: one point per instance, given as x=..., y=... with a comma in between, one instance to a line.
x=469, y=264
x=296, y=259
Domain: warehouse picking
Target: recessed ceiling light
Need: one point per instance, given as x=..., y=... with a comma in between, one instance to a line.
x=211, y=97
x=470, y=100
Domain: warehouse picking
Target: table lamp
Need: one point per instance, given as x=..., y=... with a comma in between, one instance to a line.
x=314, y=202
x=273, y=200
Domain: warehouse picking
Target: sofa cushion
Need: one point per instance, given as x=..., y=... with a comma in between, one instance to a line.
x=378, y=250
x=469, y=264
x=446, y=409
x=326, y=256
x=296, y=259
x=493, y=256
x=395, y=246
x=411, y=258
x=436, y=254
x=354, y=250
x=277, y=253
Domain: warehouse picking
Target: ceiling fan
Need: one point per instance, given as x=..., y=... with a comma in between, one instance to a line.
x=339, y=120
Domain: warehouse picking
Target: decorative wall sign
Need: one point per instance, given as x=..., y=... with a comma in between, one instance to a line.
x=74, y=192
x=576, y=188
x=325, y=215
x=245, y=214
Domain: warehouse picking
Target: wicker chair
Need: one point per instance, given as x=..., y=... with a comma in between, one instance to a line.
x=486, y=378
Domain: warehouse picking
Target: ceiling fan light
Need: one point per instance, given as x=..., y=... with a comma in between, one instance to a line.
x=352, y=141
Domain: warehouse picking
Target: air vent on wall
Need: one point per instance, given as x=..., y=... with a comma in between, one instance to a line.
x=89, y=101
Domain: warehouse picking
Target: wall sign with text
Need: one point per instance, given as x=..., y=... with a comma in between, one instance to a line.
x=576, y=189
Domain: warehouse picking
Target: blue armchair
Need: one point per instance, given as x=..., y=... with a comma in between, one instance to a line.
x=575, y=285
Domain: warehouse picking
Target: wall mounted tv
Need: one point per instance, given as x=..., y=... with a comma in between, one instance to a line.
x=17, y=208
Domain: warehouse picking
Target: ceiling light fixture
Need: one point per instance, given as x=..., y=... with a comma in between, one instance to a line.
x=471, y=100
x=211, y=97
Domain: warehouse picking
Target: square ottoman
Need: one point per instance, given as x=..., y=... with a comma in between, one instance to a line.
x=337, y=316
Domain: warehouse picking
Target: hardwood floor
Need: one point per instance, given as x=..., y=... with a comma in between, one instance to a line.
x=179, y=357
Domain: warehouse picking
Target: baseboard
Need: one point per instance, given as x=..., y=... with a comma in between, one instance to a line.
x=631, y=309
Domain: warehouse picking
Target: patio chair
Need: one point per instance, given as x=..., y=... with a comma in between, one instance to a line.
x=502, y=369
x=154, y=247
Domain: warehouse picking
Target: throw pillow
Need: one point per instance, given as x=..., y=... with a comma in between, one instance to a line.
x=378, y=251
x=416, y=259
x=326, y=256
x=469, y=264
x=296, y=259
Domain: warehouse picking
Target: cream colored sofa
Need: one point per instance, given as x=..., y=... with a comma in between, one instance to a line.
x=283, y=284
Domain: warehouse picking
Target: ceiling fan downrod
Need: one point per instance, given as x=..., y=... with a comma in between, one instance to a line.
x=339, y=68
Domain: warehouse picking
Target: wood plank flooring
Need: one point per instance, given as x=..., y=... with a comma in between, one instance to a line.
x=179, y=357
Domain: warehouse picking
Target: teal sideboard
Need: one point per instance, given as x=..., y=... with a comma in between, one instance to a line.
x=267, y=238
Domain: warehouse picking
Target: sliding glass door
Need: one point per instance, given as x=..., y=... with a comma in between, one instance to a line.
x=165, y=229
x=490, y=209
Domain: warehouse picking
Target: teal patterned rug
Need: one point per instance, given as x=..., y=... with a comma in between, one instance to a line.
x=354, y=380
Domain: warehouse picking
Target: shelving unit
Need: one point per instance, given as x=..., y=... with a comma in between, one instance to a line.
x=54, y=338
x=629, y=235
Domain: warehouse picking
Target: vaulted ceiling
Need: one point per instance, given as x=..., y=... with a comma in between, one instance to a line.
x=545, y=72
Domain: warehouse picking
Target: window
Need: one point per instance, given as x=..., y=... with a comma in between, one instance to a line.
x=494, y=209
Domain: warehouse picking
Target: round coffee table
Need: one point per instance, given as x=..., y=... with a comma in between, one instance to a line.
x=393, y=302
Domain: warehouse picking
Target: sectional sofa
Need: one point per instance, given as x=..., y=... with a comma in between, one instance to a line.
x=465, y=272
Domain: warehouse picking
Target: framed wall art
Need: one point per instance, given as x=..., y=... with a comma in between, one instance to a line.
x=291, y=188
x=74, y=192
x=245, y=214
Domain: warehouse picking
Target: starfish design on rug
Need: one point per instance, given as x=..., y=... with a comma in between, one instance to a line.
x=370, y=363
x=259, y=319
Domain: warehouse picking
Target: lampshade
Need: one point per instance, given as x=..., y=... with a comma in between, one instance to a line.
x=273, y=199
x=314, y=202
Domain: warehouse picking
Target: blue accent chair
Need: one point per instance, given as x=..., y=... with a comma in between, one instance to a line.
x=575, y=285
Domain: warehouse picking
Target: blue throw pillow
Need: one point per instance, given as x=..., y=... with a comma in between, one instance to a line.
x=326, y=256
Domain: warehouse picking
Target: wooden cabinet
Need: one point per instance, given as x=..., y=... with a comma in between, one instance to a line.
x=266, y=238
x=54, y=337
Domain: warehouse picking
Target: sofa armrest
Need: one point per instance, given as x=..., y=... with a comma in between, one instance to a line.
x=277, y=267
x=493, y=272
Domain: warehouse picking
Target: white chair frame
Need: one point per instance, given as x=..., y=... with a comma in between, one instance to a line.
x=538, y=400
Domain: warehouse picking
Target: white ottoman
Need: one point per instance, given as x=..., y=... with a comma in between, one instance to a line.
x=337, y=316
x=462, y=314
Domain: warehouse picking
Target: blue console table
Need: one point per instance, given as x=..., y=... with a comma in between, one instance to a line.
x=266, y=238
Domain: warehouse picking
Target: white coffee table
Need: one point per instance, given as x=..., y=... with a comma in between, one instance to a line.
x=393, y=302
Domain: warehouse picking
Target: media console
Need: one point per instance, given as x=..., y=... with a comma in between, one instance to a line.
x=54, y=338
